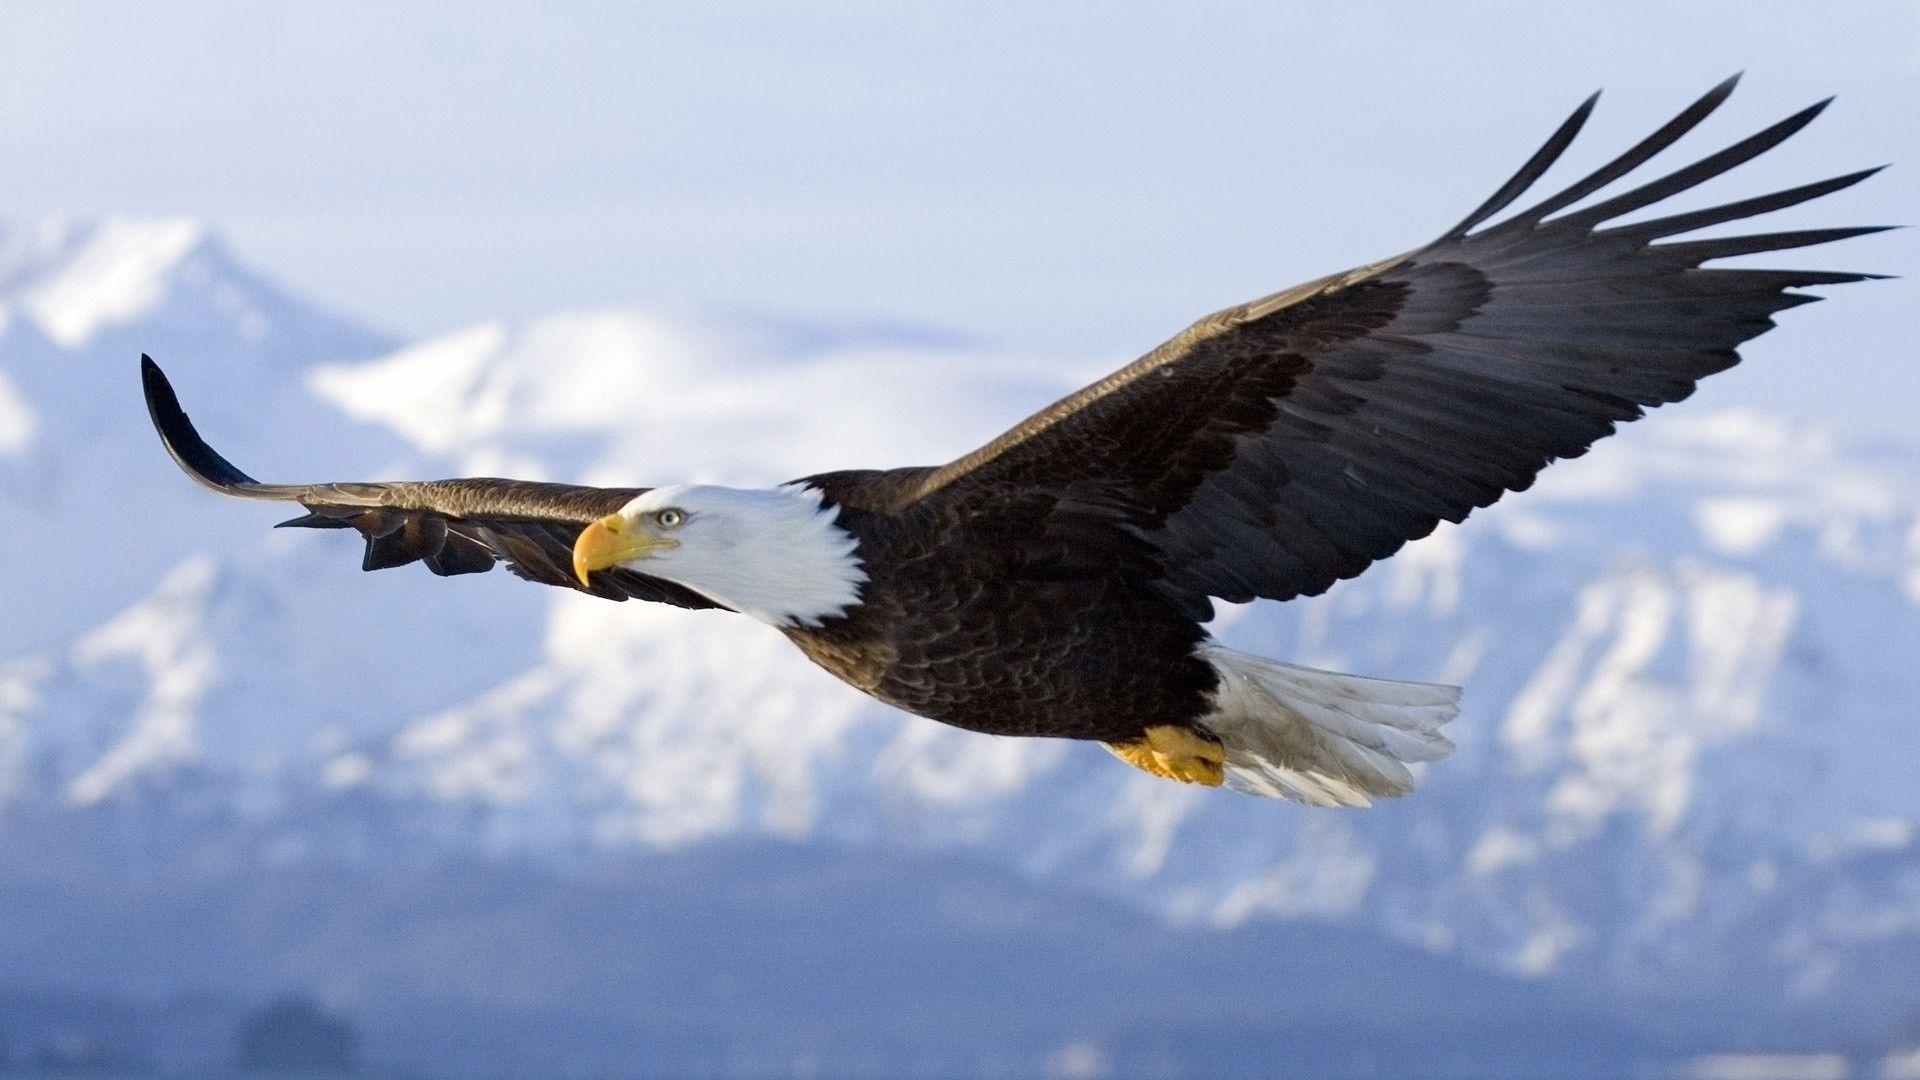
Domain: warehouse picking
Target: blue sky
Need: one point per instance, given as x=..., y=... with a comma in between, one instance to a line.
x=1077, y=179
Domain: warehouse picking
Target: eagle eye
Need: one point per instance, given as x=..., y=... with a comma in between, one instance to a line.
x=669, y=518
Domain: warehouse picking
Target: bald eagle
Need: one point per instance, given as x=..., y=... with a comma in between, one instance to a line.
x=1057, y=581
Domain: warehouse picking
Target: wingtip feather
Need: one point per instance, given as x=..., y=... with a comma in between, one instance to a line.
x=1535, y=167
x=182, y=440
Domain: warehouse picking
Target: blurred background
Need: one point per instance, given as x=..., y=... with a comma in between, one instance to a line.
x=258, y=810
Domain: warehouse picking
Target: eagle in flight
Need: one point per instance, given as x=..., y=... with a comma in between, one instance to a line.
x=1058, y=580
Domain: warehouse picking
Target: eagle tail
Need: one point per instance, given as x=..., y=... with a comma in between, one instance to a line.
x=1321, y=737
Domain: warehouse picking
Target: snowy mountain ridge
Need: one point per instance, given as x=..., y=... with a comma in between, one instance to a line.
x=1687, y=742
x=79, y=302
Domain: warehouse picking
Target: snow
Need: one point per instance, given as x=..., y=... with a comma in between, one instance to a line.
x=163, y=638
x=584, y=396
x=1688, y=725
x=1740, y=526
x=1768, y=1067
x=430, y=394
x=1911, y=582
x=17, y=422
x=1903, y=1064
x=79, y=301
x=109, y=275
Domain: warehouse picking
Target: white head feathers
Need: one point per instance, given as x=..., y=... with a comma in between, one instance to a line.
x=776, y=554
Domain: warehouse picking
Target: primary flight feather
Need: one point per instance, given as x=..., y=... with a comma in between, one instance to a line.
x=1056, y=582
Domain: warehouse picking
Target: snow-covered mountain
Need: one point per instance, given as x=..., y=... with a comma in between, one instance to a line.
x=79, y=302
x=1686, y=755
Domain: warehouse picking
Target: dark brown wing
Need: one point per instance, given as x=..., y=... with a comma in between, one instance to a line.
x=1277, y=447
x=452, y=526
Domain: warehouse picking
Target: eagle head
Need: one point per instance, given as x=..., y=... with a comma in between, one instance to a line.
x=777, y=554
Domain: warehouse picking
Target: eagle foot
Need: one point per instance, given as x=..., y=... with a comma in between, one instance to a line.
x=1177, y=753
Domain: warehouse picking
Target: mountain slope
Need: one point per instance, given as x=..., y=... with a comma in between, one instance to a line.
x=79, y=302
x=803, y=960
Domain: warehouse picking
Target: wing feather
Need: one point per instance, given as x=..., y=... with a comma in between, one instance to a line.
x=1641, y=152
x=1272, y=449
x=453, y=527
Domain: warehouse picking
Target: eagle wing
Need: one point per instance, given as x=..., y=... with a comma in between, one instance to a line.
x=1277, y=447
x=453, y=527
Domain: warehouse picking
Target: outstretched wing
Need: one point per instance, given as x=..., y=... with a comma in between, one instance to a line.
x=452, y=526
x=1277, y=447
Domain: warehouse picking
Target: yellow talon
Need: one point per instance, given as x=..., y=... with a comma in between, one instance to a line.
x=1177, y=753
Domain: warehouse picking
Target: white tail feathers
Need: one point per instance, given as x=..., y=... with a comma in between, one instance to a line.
x=1320, y=737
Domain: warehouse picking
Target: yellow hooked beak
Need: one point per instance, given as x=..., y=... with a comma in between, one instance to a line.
x=611, y=541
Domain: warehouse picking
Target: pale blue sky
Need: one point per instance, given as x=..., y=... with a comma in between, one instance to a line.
x=1079, y=179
